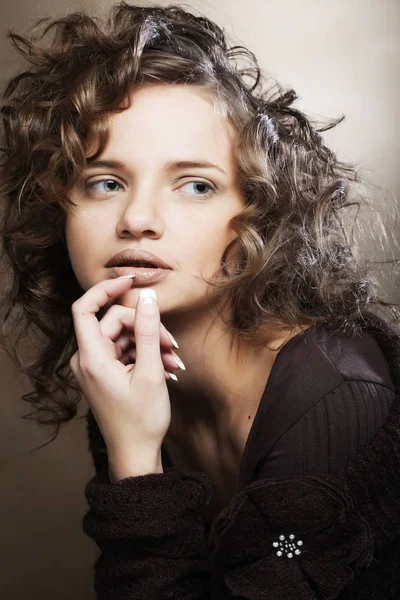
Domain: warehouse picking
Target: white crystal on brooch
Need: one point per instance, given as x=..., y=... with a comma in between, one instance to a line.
x=288, y=547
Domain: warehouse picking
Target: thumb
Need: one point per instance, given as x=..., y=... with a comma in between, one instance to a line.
x=147, y=332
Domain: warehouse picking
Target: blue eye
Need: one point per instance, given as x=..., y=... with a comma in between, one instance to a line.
x=211, y=190
x=93, y=184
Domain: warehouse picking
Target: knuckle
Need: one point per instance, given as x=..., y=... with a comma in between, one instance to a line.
x=149, y=379
x=117, y=312
x=114, y=309
x=110, y=317
x=76, y=307
x=149, y=338
x=84, y=367
x=89, y=368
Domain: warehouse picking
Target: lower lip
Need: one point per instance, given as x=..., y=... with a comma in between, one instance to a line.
x=143, y=275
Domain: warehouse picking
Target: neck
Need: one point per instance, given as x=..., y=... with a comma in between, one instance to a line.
x=223, y=382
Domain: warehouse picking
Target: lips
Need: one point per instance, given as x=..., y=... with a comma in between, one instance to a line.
x=136, y=258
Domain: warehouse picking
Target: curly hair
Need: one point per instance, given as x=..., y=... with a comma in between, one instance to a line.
x=296, y=261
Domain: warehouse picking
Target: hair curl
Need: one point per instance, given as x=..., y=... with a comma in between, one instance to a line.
x=296, y=264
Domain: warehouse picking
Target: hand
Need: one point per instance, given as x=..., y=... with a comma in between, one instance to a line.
x=129, y=402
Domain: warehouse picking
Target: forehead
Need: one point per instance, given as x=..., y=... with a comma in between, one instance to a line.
x=170, y=120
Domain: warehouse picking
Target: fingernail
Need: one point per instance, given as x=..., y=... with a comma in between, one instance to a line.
x=173, y=376
x=178, y=361
x=173, y=340
x=149, y=300
x=126, y=276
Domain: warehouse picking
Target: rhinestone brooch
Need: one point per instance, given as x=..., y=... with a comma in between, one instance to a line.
x=289, y=547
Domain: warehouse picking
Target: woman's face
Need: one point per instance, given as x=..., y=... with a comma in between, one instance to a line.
x=179, y=213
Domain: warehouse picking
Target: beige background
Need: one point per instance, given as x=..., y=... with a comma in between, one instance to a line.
x=342, y=58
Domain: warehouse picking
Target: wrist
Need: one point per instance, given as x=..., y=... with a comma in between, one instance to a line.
x=123, y=466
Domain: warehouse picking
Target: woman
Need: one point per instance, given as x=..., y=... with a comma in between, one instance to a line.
x=270, y=467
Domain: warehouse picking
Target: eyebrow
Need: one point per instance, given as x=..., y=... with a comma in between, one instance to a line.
x=171, y=165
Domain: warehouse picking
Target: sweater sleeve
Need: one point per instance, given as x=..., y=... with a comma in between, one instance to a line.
x=307, y=537
x=149, y=529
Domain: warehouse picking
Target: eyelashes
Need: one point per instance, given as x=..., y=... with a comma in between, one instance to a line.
x=89, y=186
x=92, y=185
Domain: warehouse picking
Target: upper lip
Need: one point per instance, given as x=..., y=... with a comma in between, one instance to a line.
x=130, y=257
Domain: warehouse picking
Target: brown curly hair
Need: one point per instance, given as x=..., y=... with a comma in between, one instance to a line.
x=297, y=264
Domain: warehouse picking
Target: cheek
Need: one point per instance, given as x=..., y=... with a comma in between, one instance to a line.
x=212, y=247
x=83, y=232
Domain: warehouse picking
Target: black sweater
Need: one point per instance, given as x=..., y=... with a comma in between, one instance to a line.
x=321, y=464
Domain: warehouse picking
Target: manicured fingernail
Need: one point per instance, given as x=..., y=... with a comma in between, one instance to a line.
x=178, y=361
x=126, y=276
x=149, y=302
x=173, y=376
x=148, y=296
x=173, y=340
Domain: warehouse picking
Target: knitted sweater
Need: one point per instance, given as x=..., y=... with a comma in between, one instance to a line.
x=328, y=529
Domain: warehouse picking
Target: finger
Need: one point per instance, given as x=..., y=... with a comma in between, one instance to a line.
x=168, y=376
x=125, y=342
x=91, y=343
x=147, y=335
x=119, y=317
x=167, y=358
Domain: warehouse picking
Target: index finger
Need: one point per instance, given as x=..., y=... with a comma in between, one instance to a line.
x=87, y=327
